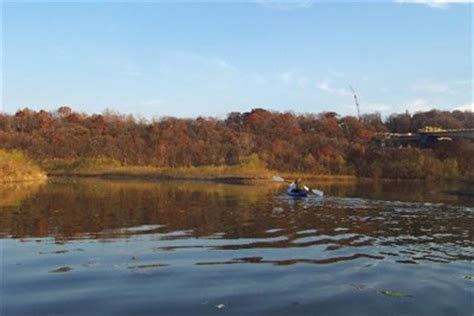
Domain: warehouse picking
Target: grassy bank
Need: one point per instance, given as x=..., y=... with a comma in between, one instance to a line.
x=17, y=167
x=109, y=168
x=104, y=167
x=14, y=167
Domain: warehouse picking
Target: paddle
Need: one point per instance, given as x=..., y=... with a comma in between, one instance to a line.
x=314, y=191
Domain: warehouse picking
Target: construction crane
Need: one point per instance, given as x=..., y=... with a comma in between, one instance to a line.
x=356, y=101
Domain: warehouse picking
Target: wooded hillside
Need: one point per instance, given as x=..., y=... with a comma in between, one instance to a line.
x=322, y=144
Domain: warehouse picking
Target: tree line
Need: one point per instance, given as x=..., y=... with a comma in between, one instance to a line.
x=324, y=143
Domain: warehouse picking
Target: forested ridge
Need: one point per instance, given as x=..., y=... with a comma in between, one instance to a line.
x=324, y=143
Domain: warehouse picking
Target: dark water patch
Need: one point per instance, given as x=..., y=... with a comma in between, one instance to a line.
x=292, y=261
x=406, y=261
x=61, y=270
x=148, y=266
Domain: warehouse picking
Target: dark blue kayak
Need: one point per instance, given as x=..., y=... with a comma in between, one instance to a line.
x=294, y=192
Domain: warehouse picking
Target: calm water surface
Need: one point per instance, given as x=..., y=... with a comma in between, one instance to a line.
x=103, y=247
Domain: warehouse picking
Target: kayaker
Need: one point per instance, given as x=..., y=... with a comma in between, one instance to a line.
x=298, y=186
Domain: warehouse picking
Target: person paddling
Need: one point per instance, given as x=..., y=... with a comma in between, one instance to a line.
x=298, y=186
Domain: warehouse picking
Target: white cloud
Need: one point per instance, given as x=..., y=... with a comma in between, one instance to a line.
x=325, y=86
x=293, y=77
x=285, y=4
x=221, y=63
x=375, y=107
x=368, y=107
x=440, y=87
x=302, y=82
x=437, y=4
x=154, y=102
x=420, y=104
x=287, y=76
x=462, y=82
x=336, y=73
x=465, y=107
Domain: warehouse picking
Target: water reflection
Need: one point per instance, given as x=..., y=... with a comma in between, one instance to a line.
x=197, y=215
x=187, y=247
x=13, y=194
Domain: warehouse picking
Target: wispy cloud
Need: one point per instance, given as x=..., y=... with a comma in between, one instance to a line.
x=336, y=73
x=440, y=87
x=436, y=4
x=133, y=73
x=326, y=86
x=376, y=107
x=154, y=102
x=287, y=76
x=465, y=107
x=293, y=77
x=462, y=82
x=285, y=4
x=131, y=69
x=368, y=107
x=419, y=104
x=432, y=88
x=224, y=65
x=257, y=78
x=172, y=59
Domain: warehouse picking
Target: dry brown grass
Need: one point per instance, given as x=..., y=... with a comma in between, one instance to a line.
x=106, y=167
x=14, y=166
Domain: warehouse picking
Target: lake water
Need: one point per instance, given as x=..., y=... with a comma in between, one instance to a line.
x=113, y=247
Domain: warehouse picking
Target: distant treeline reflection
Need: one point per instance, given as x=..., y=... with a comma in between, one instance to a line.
x=100, y=209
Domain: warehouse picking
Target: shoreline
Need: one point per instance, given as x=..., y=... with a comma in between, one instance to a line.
x=224, y=178
x=236, y=177
x=24, y=180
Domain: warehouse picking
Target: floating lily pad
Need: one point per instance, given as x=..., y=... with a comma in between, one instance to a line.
x=395, y=293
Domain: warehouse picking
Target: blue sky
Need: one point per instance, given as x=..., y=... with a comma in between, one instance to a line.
x=190, y=59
